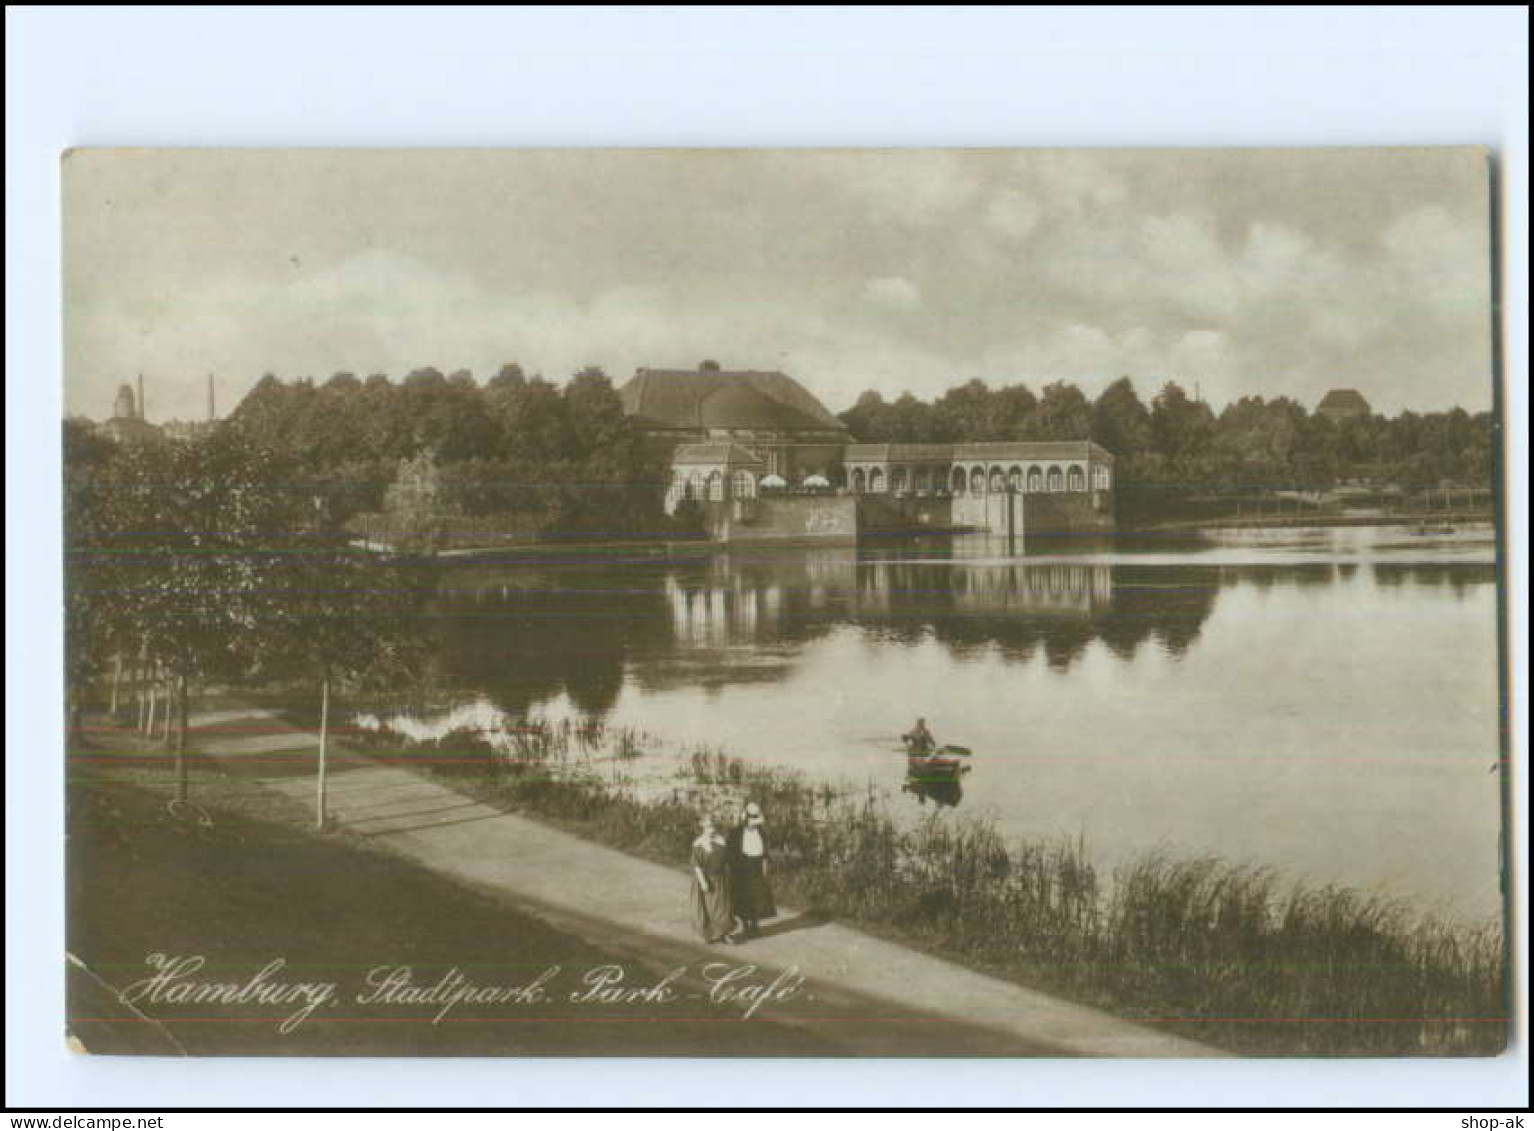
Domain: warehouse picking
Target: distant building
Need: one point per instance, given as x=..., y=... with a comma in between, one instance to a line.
x=1343, y=404
x=127, y=423
x=775, y=418
x=730, y=433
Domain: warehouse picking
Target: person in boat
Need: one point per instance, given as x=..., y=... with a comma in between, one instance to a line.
x=919, y=740
x=711, y=915
x=751, y=896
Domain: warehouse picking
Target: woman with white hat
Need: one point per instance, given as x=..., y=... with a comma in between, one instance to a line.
x=751, y=894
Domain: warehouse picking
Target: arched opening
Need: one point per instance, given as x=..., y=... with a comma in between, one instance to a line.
x=876, y=481
x=1035, y=480
x=695, y=486
x=1056, y=479
x=1014, y=478
x=958, y=481
x=743, y=485
x=1076, y=480
x=898, y=479
x=716, y=487
x=858, y=483
x=977, y=481
x=998, y=481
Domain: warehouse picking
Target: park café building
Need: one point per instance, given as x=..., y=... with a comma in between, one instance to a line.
x=765, y=458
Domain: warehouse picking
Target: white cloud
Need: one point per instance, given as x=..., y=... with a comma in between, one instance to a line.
x=893, y=292
x=1228, y=268
x=1012, y=213
x=907, y=187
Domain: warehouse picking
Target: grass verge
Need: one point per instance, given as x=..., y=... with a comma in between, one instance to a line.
x=1215, y=950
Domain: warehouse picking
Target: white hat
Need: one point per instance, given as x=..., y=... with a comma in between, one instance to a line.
x=753, y=810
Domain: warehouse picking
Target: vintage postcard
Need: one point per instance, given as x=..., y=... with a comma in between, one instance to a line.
x=783, y=603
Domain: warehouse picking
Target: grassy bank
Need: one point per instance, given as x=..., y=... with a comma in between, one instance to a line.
x=1212, y=949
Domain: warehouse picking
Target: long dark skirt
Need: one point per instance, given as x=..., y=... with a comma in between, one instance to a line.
x=751, y=893
x=711, y=916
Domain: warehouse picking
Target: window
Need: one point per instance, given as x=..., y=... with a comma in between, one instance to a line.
x=958, y=481
x=1035, y=481
x=716, y=487
x=1056, y=479
x=1077, y=479
x=857, y=481
x=977, y=481
x=743, y=484
x=876, y=480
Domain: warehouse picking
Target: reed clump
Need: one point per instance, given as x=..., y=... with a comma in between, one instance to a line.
x=1222, y=951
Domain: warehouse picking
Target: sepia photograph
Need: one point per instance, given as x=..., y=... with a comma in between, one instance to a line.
x=921, y=603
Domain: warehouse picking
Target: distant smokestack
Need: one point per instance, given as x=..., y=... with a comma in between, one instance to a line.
x=211, y=416
x=141, y=396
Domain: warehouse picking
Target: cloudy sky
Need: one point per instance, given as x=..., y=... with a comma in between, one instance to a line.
x=1244, y=271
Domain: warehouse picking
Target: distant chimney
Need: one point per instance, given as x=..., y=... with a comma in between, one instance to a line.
x=141, y=396
x=211, y=416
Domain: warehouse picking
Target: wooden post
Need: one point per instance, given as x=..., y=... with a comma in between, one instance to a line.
x=324, y=734
x=117, y=678
x=149, y=722
x=181, y=783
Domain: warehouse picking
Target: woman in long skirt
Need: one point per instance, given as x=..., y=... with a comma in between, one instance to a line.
x=711, y=915
x=752, y=894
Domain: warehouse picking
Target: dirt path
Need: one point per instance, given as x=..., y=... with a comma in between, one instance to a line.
x=632, y=905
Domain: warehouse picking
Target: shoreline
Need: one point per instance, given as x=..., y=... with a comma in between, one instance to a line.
x=1370, y=956
x=1290, y=521
x=622, y=552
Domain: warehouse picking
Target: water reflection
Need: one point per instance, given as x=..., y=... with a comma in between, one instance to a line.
x=526, y=636
x=522, y=637
x=945, y=793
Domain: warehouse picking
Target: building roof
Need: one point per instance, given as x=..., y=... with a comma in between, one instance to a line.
x=899, y=453
x=1343, y=400
x=980, y=451
x=730, y=455
x=713, y=398
x=1031, y=449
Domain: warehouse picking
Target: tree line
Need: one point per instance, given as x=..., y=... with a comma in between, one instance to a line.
x=1178, y=444
x=565, y=457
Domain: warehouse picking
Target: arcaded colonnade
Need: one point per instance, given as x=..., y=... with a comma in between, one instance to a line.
x=1051, y=467
x=720, y=472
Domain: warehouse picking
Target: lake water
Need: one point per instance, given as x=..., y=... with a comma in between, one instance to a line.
x=1322, y=701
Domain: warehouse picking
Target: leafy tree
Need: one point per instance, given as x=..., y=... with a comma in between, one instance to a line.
x=1063, y=413
x=1120, y=420
x=1181, y=430
x=866, y=419
x=969, y=412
